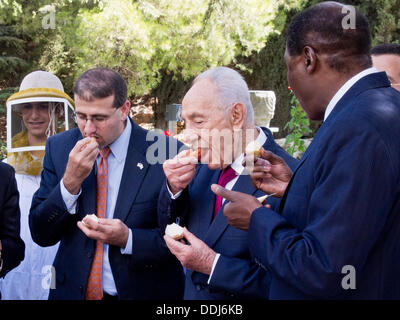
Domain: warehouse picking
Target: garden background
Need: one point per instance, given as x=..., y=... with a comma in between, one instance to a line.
x=158, y=46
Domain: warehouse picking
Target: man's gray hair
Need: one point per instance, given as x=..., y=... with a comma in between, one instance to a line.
x=231, y=89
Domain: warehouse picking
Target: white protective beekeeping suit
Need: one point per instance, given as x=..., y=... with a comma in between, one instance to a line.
x=32, y=279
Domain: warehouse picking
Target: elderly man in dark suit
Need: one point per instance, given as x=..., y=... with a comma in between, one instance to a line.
x=12, y=247
x=336, y=234
x=217, y=107
x=101, y=168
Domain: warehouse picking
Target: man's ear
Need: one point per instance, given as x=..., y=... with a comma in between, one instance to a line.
x=310, y=59
x=237, y=115
x=125, y=109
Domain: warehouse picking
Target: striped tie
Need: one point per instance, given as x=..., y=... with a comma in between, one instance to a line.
x=94, y=289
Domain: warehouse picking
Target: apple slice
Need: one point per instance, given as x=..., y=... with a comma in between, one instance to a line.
x=262, y=199
x=93, y=217
x=194, y=153
x=253, y=148
x=174, y=230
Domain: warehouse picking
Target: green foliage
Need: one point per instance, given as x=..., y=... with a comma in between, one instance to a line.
x=12, y=53
x=266, y=69
x=3, y=150
x=145, y=39
x=384, y=19
x=299, y=126
x=159, y=46
x=6, y=93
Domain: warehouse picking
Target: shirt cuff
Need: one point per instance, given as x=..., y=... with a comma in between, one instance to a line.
x=173, y=197
x=213, y=267
x=70, y=200
x=128, y=247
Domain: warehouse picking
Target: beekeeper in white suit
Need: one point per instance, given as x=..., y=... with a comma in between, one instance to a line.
x=38, y=110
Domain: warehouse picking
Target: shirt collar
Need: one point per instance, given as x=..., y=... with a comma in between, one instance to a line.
x=346, y=87
x=237, y=164
x=119, y=147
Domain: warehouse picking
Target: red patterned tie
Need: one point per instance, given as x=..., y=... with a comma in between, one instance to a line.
x=94, y=289
x=227, y=175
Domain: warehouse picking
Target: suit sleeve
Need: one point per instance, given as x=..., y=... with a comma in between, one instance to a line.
x=148, y=245
x=240, y=277
x=169, y=210
x=49, y=217
x=13, y=248
x=353, y=190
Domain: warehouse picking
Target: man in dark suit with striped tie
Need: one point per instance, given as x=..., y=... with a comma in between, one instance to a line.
x=102, y=168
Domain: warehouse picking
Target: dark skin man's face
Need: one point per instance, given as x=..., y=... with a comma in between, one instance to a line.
x=303, y=85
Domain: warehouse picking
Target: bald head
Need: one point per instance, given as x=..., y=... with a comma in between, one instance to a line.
x=323, y=27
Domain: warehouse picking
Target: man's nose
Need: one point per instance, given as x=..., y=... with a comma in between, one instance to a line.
x=90, y=128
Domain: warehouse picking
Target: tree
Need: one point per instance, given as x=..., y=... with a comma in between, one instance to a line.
x=13, y=53
x=153, y=41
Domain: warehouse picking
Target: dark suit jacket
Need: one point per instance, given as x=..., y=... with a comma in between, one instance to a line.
x=342, y=205
x=13, y=248
x=151, y=272
x=235, y=275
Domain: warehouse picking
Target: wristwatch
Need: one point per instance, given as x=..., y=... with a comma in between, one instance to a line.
x=1, y=260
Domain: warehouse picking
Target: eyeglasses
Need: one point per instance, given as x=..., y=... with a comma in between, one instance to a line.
x=97, y=120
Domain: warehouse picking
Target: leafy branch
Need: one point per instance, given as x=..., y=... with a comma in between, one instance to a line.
x=299, y=126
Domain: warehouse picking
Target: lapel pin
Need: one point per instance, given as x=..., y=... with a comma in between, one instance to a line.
x=140, y=165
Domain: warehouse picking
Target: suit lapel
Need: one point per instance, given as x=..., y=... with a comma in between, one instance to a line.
x=87, y=199
x=219, y=225
x=203, y=202
x=375, y=80
x=135, y=169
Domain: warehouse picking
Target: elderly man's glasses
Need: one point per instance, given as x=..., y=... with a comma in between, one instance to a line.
x=97, y=120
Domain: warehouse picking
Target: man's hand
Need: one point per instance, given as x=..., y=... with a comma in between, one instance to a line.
x=80, y=164
x=110, y=231
x=196, y=256
x=270, y=173
x=238, y=211
x=179, y=171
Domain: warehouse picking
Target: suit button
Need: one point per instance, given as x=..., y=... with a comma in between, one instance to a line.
x=198, y=287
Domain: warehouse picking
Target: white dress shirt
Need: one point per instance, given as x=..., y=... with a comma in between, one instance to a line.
x=346, y=87
x=115, y=163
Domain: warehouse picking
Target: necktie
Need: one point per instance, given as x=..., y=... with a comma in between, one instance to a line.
x=94, y=288
x=227, y=175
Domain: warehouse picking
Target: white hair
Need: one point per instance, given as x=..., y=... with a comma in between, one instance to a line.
x=231, y=88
